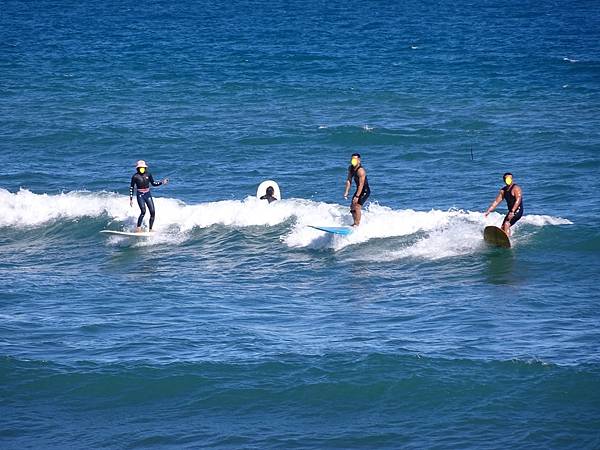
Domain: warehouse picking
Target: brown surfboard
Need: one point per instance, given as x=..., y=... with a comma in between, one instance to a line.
x=496, y=237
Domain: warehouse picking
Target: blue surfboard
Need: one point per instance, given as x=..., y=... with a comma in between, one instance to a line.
x=342, y=231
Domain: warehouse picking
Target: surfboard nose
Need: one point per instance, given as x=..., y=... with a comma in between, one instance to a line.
x=496, y=237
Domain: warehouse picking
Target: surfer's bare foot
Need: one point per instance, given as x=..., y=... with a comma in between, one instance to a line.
x=138, y=229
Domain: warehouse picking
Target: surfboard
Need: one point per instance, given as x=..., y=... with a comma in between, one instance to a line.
x=128, y=233
x=262, y=189
x=342, y=231
x=496, y=237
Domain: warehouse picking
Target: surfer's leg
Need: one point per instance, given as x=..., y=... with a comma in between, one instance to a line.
x=356, y=214
x=142, y=205
x=150, y=203
x=509, y=223
x=357, y=208
x=506, y=225
x=516, y=217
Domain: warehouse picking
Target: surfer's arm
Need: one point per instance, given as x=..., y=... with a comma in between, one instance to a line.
x=131, y=186
x=348, y=184
x=154, y=183
x=495, y=203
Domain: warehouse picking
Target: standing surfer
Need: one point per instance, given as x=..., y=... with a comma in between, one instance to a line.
x=513, y=195
x=141, y=180
x=357, y=172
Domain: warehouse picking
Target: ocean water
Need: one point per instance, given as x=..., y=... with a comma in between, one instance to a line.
x=237, y=325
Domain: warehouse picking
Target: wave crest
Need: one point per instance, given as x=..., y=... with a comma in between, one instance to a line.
x=430, y=234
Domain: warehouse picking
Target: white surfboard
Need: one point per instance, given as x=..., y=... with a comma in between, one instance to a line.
x=129, y=233
x=262, y=189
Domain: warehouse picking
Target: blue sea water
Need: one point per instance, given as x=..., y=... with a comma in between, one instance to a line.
x=237, y=325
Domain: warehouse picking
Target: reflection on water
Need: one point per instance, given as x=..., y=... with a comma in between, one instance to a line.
x=500, y=266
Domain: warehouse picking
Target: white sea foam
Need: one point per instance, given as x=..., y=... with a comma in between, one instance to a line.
x=377, y=222
x=429, y=234
x=26, y=209
x=541, y=220
x=570, y=60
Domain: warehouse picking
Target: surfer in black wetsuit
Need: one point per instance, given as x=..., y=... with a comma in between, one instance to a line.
x=357, y=172
x=513, y=195
x=141, y=180
x=269, y=195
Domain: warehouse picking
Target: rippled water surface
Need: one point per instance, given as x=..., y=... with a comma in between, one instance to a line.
x=237, y=325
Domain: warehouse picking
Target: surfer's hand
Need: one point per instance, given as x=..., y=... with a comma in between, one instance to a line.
x=511, y=215
x=485, y=214
x=354, y=200
x=165, y=181
x=345, y=196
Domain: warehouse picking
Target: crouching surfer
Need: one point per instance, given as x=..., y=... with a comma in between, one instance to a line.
x=141, y=181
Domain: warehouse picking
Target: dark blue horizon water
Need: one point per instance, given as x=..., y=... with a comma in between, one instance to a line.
x=237, y=325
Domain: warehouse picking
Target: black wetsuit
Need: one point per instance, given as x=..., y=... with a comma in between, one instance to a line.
x=366, y=191
x=510, y=201
x=142, y=182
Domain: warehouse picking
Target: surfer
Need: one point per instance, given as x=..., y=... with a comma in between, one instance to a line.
x=513, y=195
x=269, y=195
x=358, y=172
x=141, y=180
